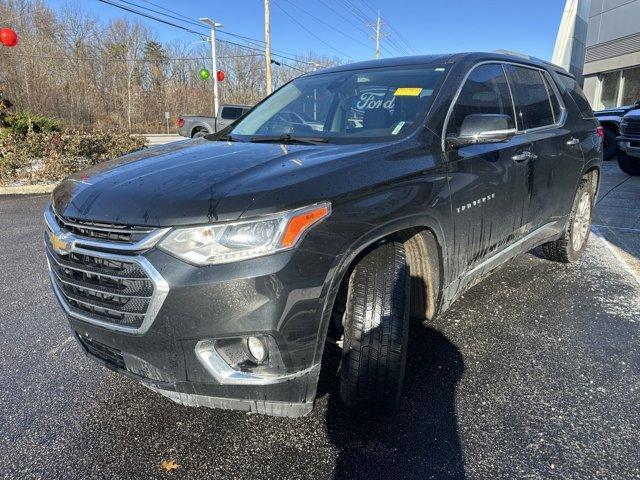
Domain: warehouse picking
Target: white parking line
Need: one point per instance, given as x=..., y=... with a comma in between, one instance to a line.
x=627, y=229
x=616, y=253
x=57, y=349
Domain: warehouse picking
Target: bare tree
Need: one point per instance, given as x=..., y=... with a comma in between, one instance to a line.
x=118, y=75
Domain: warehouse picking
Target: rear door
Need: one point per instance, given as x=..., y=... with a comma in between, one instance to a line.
x=553, y=169
x=487, y=184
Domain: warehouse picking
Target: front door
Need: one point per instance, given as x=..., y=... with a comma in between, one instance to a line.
x=487, y=181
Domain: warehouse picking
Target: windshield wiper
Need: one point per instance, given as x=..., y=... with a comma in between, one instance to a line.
x=225, y=138
x=286, y=138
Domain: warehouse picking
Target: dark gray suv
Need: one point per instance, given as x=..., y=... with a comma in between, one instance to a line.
x=215, y=270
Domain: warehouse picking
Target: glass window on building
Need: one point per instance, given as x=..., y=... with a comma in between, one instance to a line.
x=631, y=90
x=610, y=88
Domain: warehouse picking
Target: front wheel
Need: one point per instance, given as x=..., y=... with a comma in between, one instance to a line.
x=629, y=165
x=376, y=326
x=569, y=247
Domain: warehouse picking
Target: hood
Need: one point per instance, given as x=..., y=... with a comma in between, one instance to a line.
x=633, y=115
x=189, y=182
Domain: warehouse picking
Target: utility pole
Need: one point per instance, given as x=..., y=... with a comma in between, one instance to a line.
x=267, y=43
x=377, y=28
x=214, y=65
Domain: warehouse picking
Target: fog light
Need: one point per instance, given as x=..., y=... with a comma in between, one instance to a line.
x=257, y=349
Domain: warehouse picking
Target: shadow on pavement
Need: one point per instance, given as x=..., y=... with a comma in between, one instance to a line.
x=422, y=440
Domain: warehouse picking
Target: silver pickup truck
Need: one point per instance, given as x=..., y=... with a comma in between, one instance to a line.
x=194, y=126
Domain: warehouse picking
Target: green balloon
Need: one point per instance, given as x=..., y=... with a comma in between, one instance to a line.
x=204, y=74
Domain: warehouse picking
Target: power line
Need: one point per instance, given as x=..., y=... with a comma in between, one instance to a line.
x=167, y=10
x=398, y=34
x=349, y=21
x=360, y=17
x=310, y=32
x=357, y=11
x=370, y=7
x=166, y=22
x=327, y=24
x=194, y=22
x=402, y=39
x=141, y=60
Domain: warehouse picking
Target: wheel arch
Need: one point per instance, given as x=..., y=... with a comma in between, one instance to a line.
x=197, y=128
x=612, y=124
x=424, y=243
x=594, y=174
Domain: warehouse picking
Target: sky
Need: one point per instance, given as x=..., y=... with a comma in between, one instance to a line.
x=338, y=27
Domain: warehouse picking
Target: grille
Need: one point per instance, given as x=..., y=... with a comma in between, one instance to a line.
x=102, y=231
x=630, y=127
x=110, y=355
x=109, y=290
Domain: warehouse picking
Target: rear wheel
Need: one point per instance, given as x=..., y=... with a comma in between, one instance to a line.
x=199, y=133
x=376, y=325
x=569, y=247
x=629, y=165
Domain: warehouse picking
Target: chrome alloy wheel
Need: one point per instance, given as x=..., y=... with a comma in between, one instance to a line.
x=581, y=222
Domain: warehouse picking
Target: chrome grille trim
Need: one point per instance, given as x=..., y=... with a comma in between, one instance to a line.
x=151, y=238
x=100, y=310
x=101, y=227
x=92, y=288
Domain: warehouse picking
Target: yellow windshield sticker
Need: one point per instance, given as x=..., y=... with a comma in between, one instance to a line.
x=407, y=92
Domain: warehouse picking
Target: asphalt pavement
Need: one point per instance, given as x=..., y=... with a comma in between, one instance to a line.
x=534, y=373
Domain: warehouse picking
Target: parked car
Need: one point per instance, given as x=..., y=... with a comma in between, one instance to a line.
x=218, y=279
x=195, y=126
x=610, y=119
x=629, y=142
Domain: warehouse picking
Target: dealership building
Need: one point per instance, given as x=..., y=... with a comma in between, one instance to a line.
x=612, y=56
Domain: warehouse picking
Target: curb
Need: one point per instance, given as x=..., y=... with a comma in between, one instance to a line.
x=27, y=189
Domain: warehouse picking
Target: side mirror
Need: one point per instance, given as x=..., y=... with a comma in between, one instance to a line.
x=637, y=104
x=483, y=128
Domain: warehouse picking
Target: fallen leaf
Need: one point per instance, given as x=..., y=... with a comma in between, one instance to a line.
x=169, y=465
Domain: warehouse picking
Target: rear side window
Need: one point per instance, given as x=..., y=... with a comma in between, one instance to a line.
x=533, y=105
x=577, y=95
x=556, y=103
x=231, y=113
x=485, y=92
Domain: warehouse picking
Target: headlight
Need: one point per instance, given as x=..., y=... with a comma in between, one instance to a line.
x=230, y=242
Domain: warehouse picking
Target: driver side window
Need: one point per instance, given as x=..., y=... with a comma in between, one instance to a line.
x=485, y=92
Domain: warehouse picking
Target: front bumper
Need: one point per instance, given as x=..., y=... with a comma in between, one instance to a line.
x=280, y=295
x=630, y=144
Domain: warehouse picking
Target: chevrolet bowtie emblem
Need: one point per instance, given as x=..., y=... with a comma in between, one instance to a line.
x=61, y=243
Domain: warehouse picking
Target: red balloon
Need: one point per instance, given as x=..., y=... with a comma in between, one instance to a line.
x=8, y=37
x=220, y=75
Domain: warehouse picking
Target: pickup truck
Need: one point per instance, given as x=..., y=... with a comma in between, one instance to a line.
x=215, y=270
x=629, y=142
x=195, y=126
x=610, y=119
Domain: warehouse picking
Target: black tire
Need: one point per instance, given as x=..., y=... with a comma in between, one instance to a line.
x=376, y=327
x=564, y=249
x=199, y=133
x=609, y=144
x=629, y=165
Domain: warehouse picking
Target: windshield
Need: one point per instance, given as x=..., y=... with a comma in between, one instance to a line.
x=351, y=106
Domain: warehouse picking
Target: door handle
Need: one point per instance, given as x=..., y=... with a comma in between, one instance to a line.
x=521, y=157
x=573, y=142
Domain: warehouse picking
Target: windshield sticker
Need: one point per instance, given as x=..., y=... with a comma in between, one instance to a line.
x=398, y=128
x=408, y=92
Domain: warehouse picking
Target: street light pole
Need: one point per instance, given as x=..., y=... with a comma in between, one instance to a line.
x=267, y=44
x=214, y=66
